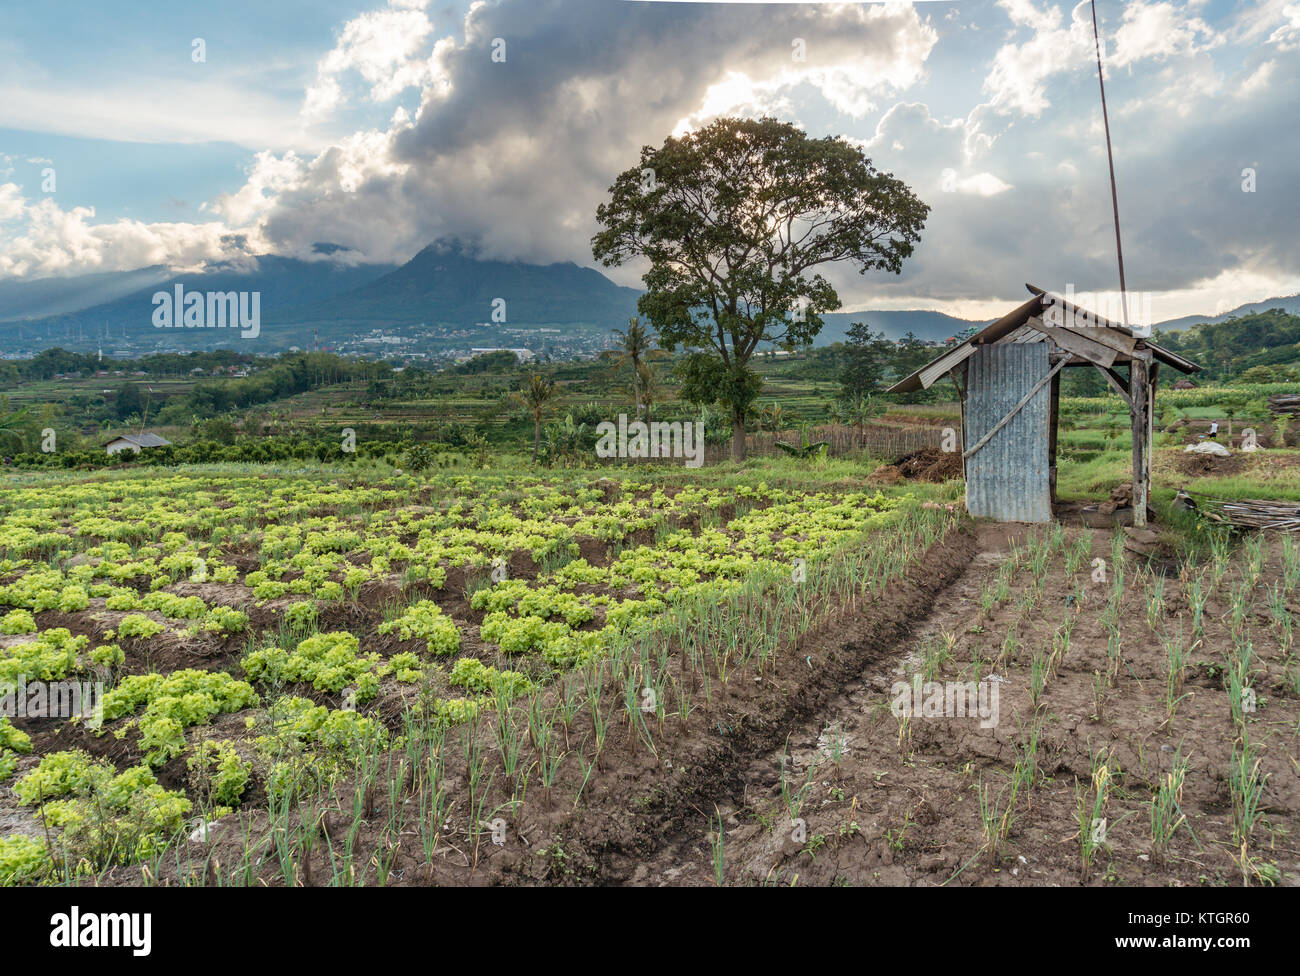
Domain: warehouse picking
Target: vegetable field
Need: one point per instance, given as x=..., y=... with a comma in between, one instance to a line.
x=775, y=674
x=261, y=642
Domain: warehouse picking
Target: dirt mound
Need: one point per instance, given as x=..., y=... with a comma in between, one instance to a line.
x=886, y=474
x=927, y=464
x=1203, y=464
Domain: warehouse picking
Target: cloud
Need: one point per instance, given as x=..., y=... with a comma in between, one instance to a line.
x=1158, y=31
x=156, y=110
x=1287, y=37
x=1023, y=13
x=269, y=176
x=1017, y=80
x=980, y=185
x=515, y=155
x=58, y=241
x=1258, y=80
x=1019, y=77
x=383, y=47
x=12, y=205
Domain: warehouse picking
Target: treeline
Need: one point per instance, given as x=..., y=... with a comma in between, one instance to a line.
x=1262, y=347
x=53, y=362
x=131, y=398
x=289, y=375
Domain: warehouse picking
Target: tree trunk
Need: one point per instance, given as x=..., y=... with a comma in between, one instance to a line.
x=636, y=389
x=737, y=436
x=537, y=438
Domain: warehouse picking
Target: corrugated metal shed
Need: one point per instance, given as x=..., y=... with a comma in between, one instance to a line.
x=1008, y=479
x=1009, y=394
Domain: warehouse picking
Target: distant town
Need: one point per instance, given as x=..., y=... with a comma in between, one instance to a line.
x=419, y=344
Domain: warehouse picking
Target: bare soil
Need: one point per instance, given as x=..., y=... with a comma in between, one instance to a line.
x=885, y=814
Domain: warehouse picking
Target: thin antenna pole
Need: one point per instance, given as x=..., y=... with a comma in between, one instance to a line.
x=145, y=417
x=1110, y=157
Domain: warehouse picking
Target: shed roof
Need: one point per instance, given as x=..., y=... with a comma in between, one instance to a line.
x=147, y=439
x=1013, y=327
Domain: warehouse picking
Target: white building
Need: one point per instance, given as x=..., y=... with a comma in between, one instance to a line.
x=134, y=442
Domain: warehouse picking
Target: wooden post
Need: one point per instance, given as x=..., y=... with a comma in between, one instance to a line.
x=1138, y=389
x=961, y=399
x=1154, y=377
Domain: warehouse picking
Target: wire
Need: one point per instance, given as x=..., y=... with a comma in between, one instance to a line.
x=1114, y=196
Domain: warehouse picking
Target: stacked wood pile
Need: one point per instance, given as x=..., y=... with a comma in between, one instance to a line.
x=1284, y=403
x=1277, y=516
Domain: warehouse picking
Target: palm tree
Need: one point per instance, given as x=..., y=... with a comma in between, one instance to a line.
x=535, y=397
x=634, y=343
x=649, y=388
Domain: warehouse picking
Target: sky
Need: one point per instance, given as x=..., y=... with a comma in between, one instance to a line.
x=141, y=133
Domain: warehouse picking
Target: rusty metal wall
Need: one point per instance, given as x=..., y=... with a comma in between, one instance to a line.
x=1008, y=479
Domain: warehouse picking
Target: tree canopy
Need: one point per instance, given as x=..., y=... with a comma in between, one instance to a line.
x=735, y=219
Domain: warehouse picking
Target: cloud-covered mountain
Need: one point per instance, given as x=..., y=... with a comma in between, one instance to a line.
x=447, y=285
x=30, y=316
x=445, y=291
x=44, y=297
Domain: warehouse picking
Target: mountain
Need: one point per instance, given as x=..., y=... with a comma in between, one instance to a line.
x=445, y=299
x=125, y=321
x=926, y=324
x=896, y=324
x=44, y=297
x=1290, y=304
x=445, y=294
x=447, y=285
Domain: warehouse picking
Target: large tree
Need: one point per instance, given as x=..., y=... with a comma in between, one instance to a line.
x=866, y=356
x=735, y=219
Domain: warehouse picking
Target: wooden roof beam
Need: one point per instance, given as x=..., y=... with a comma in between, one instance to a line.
x=1116, y=384
x=1073, y=342
x=1093, y=327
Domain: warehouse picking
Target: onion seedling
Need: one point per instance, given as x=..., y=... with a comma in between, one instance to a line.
x=1246, y=786
x=1166, y=807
